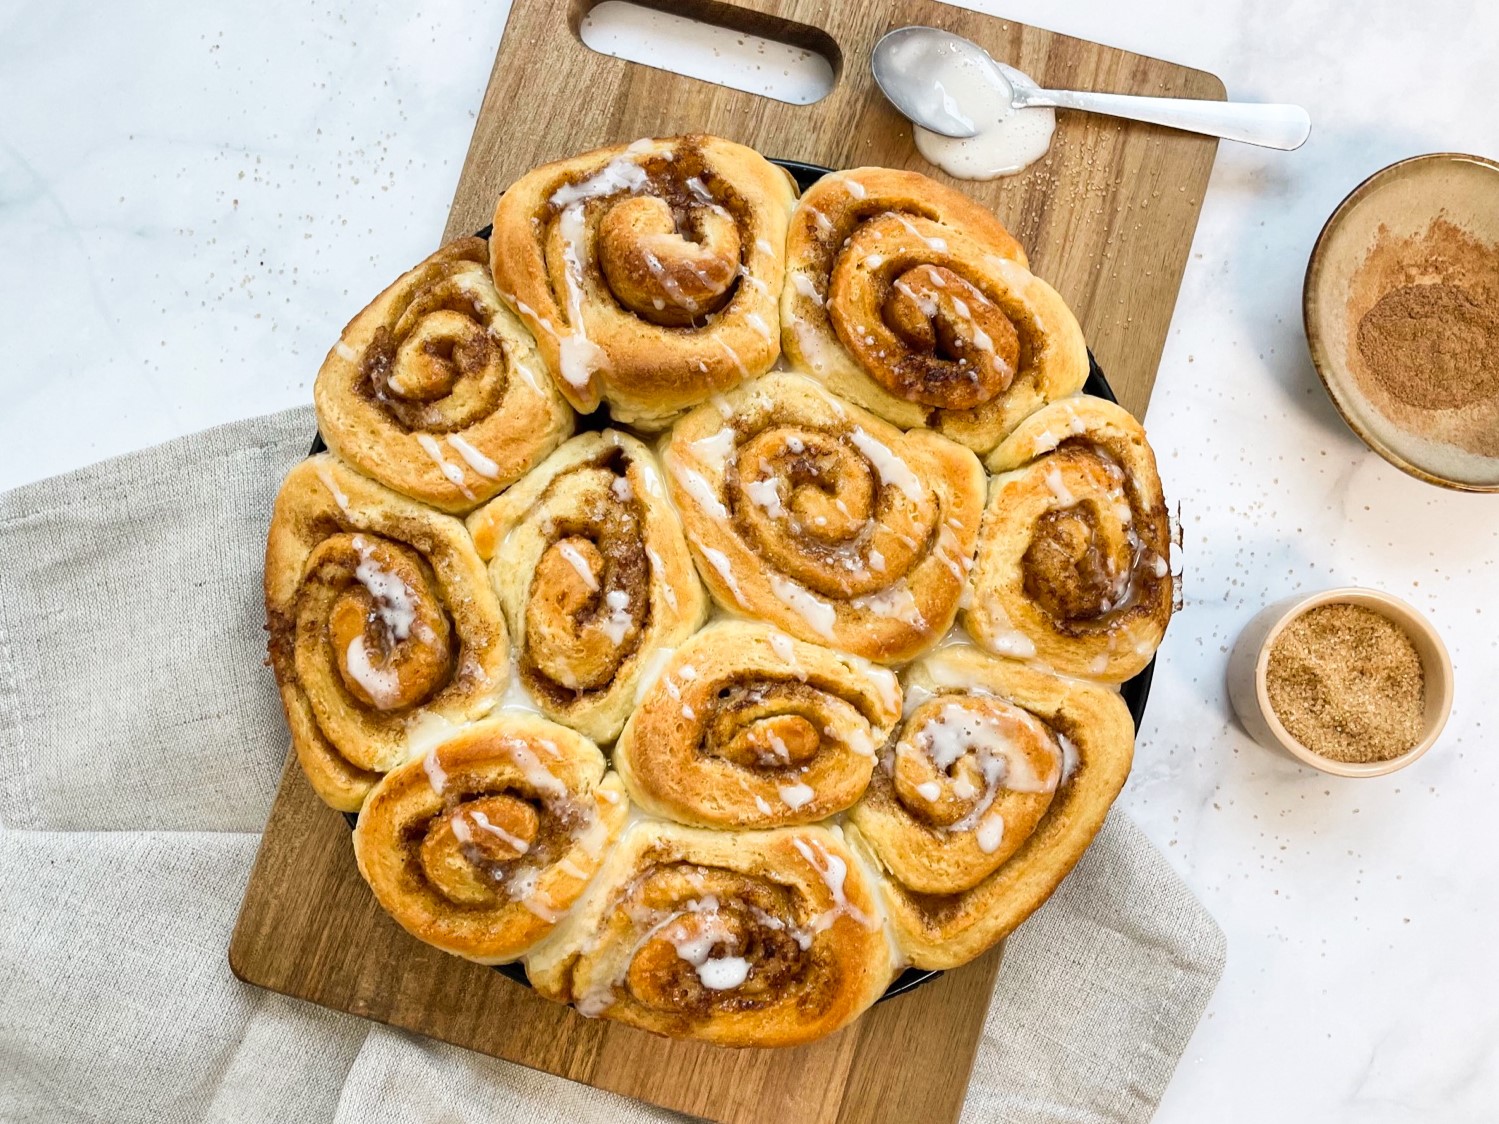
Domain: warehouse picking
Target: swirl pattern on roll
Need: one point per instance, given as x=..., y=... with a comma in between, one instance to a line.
x=747, y=727
x=380, y=616
x=824, y=520
x=481, y=844
x=1074, y=560
x=912, y=300
x=590, y=565
x=437, y=390
x=650, y=274
x=998, y=781
x=740, y=939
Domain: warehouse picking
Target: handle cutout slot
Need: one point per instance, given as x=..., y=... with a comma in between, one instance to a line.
x=715, y=42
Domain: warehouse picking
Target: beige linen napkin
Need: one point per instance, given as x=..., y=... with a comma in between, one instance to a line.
x=140, y=744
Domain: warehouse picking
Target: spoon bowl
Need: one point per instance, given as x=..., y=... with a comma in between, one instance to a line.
x=947, y=85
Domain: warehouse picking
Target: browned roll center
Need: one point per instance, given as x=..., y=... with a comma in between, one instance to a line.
x=1081, y=558
x=390, y=638
x=826, y=509
x=669, y=270
x=771, y=726
x=921, y=323
x=978, y=764
x=435, y=365
x=590, y=593
x=725, y=941
x=466, y=849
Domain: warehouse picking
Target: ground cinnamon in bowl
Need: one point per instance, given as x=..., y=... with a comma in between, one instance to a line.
x=1424, y=335
x=1348, y=684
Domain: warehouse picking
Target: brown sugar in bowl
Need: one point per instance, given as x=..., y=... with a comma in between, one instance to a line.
x=1414, y=245
x=1248, y=666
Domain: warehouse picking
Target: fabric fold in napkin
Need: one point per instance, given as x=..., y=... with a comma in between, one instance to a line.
x=140, y=744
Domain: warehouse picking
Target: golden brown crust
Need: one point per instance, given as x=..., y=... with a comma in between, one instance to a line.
x=1092, y=729
x=380, y=614
x=1074, y=560
x=747, y=727
x=912, y=300
x=481, y=844
x=737, y=938
x=649, y=273
x=824, y=520
x=589, y=562
x=436, y=389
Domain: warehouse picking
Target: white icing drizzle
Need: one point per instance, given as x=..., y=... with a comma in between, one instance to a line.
x=762, y=804
x=1058, y=486
x=937, y=244
x=990, y=833
x=575, y=558
x=1070, y=756
x=475, y=459
x=720, y=562
x=757, y=322
x=796, y=795
x=785, y=649
x=395, y=601
x=834, y=872
x=806, y=287
x=733, y=358
x=516, y=697
x=658, y=567
x=345, y=352
x=579, y=356
x=621, y=489
x=650, y=672
x=453, y=473
x=333, y=489
x=618, y=622
x=855, y=188
x=437, y=777
x=381, y=684
x=698, y=488
x=891, y=469
x=537, y=775
x=895, y=602
x=482, y=822
x=820, y=615
x=766, y=494
x=620, y=174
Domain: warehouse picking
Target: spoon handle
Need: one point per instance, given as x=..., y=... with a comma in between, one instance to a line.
x=1270, y=126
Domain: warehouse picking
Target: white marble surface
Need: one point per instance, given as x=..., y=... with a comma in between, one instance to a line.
x=193, y=197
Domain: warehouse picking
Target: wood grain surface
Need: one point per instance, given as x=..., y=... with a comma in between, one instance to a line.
x=1107, y=217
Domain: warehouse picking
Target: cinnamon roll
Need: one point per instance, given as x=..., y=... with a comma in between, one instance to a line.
x=437, y=390
x=824, y=520
x=999, y=779
x=649, y=273
x=911, y=299
x=1074, y=560
x=588, y=559
x=739, y=939
x=747, y=727
x=380, y=617
x=481, y=844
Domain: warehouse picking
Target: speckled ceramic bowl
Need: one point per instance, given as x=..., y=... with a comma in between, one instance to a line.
x=1399, y=202
x=1250, y=658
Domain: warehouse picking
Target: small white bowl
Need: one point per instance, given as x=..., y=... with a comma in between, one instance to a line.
x=1251, y=656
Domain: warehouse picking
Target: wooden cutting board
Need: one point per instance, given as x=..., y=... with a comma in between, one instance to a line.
x=1107, y=217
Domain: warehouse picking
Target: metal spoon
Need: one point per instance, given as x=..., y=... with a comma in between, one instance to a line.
x=909, y=61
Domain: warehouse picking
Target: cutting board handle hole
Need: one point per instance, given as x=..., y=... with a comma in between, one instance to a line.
x=715, y=42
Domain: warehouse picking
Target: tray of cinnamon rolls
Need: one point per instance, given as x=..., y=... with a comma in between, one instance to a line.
x=717, y=597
